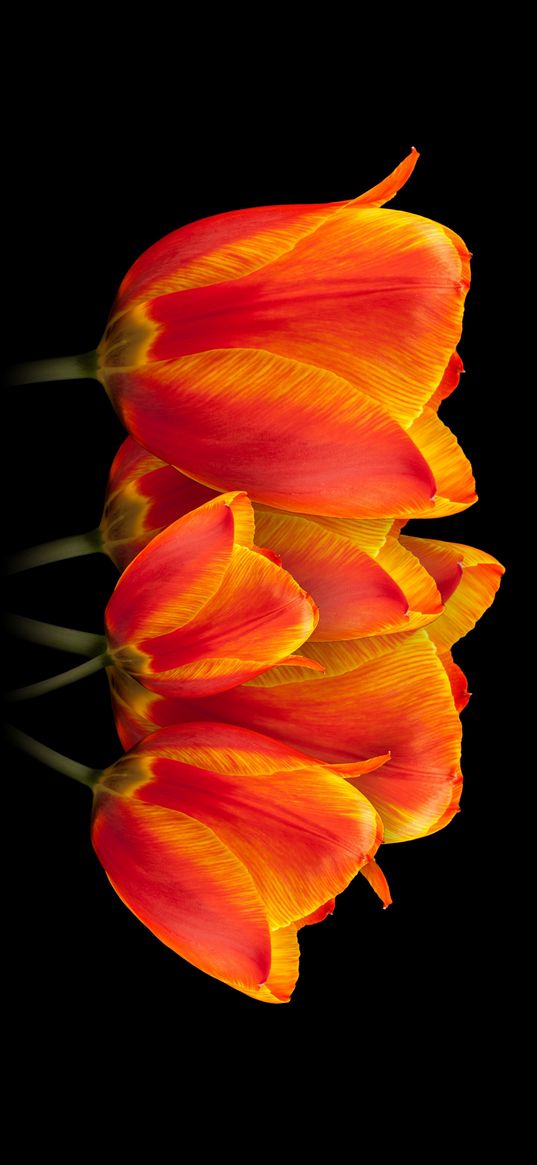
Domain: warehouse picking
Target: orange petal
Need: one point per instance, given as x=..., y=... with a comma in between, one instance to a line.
x=449, y=381
x=227, y=246
x=423, y=598
x=354, y=594
x=143, y=496
x=293, y=435
x=301, y=831
x=374, y=296
x=184, y=884
x=283, y=968
x=320, y=914
x=397, y=698
x=455, y=485
x=378, y=882
x=175, y=575
x=389, y=187
x=470, y=579
x=457, y=679
x=258, y=616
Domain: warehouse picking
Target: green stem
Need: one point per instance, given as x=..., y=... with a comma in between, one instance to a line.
x=61, y=548
x=61, y=681
x=57, y=368
x=55, y=760
x=79, y=642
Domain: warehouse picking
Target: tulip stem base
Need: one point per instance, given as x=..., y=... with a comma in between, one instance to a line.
x=56, y=551
x=55, y=760
x=47, y=634
x=57, y=368
x=60, y=681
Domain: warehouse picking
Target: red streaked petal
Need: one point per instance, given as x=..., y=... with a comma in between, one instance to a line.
x=294, y=436
x=374, y=296
x=457, y=679
x=218, y=249
x=302, y=835
x=389, y=187
x=479, y=576
x=143, y=496
x=283, y=968
x=354, y=594
x=442, y=561
x=423, y=599
x=184, y=885
x=378, y=882
x=174, y=576
x=318, y=915
x=227, y=246
x=449, y=381
x=397, y=698
x=258, y=616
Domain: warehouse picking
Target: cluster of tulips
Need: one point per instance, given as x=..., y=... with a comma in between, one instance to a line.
x=278, y=651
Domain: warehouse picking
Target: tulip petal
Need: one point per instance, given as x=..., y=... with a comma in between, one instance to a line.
x=397, y=698
x=258, y=616
x=478, y=577
x=457, y=679
x=368, y=535
x=455, y=485
x=143, y=496
x=293, y=436
x=378, y=882
x=283, y=968
x=355, y=595
x=217, y=249
x=449, y=381
x=301, y=836
x=389, y=187
x=423, y=597
x=173, y=577
x=183, y=883
x=227, y=246
x=320, y=914
x=375, y=296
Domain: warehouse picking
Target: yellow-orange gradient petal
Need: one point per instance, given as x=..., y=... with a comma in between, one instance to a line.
x=175, y=574
x=355, y=595
x=455, y=485
x=378, y=882
x=292, y=435
x=302, y=833
x=457, y=679
x=395, y=698
x=258, y=616
x=184, y=884
x=227, y=246
x=449, y=381
x=283, y=968
x=478, y=578
x=424, y=602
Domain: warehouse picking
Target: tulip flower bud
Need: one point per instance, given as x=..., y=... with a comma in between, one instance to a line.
x=201, y=609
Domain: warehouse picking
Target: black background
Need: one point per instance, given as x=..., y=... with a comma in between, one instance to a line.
x=85, y=203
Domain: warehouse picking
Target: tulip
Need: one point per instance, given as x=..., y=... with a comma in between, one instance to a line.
x=198, y=610
x=296, y=352
x=224, y=843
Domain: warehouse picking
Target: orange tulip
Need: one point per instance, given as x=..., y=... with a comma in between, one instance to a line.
x=224, y=842
x=201, y=609
x=297, y=352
